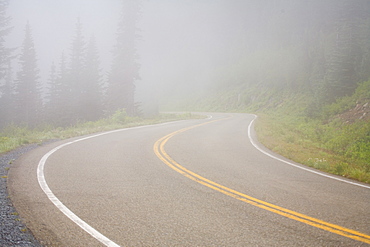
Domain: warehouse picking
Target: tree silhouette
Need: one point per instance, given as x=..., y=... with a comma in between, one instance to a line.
x=76, y=73
x=91, y=89
x=61, y=96
x=7, y=98
x=125, y=67
x=342, y=76
x=6, y=89
x=54, y=103
x=4, y=31
x=28, y=96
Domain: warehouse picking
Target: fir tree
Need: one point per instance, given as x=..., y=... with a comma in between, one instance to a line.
x=5, y=29
x=342, y=74
x=7, y=98
x=53, y=96
x=62, y=95
x=91, y=94
x=76, y=73
x=125, y=67
x=6, y=89
x=28, y=93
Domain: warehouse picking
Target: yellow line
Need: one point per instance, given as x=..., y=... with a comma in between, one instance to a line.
x=162, y=155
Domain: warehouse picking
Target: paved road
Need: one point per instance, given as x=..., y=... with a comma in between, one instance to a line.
x=206, y=185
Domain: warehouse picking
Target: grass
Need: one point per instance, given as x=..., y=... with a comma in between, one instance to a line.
x=13, y=136
x=324, y=140
x=341, y=149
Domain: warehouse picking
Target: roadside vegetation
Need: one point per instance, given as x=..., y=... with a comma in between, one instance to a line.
x=14, y=136
x=308, y=82
x=304, y=70
x=334, y=138
x=334, y=147
x=337, y=141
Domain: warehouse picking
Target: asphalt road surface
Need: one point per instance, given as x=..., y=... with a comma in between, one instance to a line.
x=186, y=183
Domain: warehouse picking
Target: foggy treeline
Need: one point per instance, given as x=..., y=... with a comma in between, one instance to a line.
x=317, y=47
x=320, y=47
x=75, y=91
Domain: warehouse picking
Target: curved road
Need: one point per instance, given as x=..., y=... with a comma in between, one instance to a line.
x=186, y=183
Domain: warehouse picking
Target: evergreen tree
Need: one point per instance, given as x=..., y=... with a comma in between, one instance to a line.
x=7, y=98
x=28, y=93
x=76, y=74
x=5, y=67
x=76, y=90
x=125, y=67
x=364, y=67
x=5, y=29
x=51, y=107
x=91, y=94
x=62, y=95
x=342, y=74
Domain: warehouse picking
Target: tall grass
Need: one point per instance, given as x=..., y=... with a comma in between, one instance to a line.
x=14, y=136
x=325, y=141
x=335, y=147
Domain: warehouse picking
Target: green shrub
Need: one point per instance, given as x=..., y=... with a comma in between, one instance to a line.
x=119, y=116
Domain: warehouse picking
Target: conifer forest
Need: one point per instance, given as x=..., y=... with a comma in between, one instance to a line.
x=171, y=52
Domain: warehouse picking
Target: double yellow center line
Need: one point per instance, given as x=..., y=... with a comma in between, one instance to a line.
x=162, y=155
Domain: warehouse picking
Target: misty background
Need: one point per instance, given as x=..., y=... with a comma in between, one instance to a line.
x=184, y=52
x=180, y=41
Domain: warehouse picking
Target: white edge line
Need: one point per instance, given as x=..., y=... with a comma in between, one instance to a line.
x=97, y=235
x=44, y=186
x=292, y=164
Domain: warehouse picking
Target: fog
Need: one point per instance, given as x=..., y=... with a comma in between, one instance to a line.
x=180, y=40
x=53, y=25
x=188, y=48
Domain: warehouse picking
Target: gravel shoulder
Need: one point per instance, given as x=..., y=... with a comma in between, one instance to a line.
x=13, y=231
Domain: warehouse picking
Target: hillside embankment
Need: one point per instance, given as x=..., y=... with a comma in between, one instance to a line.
x=332, y=137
